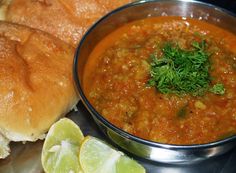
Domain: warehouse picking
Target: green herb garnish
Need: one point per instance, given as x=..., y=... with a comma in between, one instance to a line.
x=218, y=89
x=180, y=71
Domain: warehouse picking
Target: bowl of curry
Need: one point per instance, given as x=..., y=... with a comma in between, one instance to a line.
x=159, y=78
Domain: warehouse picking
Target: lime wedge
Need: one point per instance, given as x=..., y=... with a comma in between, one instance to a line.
x=127, y=165
x=95, y=156
x=61, y=147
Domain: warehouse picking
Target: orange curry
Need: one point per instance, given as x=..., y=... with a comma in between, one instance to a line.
x=118, y=69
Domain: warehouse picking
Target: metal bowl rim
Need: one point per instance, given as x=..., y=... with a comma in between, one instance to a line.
x=113, y=127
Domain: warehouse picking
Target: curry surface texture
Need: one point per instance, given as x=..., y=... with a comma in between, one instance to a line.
x=116, y=75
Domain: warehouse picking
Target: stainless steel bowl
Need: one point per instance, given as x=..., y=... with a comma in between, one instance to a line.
x=139, y=10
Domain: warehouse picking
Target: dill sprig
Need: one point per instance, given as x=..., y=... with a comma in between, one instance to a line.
x=180, y=71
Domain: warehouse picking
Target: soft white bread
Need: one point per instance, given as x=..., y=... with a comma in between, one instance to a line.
x=4, y=147
x=36, y=83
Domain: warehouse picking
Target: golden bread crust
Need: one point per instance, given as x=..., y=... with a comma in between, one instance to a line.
x=67, y=20
x=36, y=85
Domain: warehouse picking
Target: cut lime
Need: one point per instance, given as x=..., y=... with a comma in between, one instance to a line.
x=61, y=147
x=95, y=156
x=127, y=165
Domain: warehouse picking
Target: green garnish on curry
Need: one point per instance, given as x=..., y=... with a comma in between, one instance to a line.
x=179, y=71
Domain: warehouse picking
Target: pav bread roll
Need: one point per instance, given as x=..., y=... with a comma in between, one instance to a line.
x=66, y=19
x=36, y=83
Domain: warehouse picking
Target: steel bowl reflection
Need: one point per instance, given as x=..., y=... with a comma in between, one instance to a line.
x=139, y=10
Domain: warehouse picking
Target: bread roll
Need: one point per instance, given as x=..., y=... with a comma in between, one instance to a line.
x=36, y=83
x=66, y=19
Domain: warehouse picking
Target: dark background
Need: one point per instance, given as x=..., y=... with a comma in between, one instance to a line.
x=227, y=4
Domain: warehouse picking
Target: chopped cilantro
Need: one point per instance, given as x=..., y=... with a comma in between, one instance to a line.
x=218, y=89
x=180, y=71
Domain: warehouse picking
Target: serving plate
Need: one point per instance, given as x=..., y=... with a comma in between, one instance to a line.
x=25, y=158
